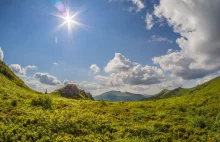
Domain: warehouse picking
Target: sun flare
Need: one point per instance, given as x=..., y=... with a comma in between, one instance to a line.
x=70, y=20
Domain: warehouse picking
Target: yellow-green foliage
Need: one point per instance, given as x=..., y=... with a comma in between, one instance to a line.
x=28, y=116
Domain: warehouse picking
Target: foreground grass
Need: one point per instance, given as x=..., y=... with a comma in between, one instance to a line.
x=28, y=116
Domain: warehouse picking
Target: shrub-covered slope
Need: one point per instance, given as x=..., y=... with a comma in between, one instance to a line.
x=184, y=91
x=120, y=96
x=28, y=116
x=5, y=71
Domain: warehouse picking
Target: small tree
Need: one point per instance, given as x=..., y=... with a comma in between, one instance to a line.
x=46, y=91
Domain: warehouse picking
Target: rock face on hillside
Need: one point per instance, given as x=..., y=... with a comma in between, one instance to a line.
x=72, y=91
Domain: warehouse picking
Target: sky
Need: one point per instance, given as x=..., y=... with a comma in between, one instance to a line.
x=139, y=46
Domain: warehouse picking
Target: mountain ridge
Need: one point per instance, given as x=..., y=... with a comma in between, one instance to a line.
x=120, y=96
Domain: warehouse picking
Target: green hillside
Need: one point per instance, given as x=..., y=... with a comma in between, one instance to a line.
x=169, y=93
x=27, y=116
x=5, y=71
x=182, y=91
x=120, y=96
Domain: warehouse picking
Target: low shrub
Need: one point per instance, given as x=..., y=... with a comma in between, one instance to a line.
x=198, y=122
x=43, y=101
x=14, y=103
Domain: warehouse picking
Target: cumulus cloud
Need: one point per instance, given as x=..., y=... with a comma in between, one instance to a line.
x=178, y=64
x=95, y=69
x=123, y=71
x=1, y=54
x=197, y=23
x=118, y=64
x=19, y=70
x=149, y=21
x=36, y=85
x=156, y=38
x=46, y=78
x=16, y=68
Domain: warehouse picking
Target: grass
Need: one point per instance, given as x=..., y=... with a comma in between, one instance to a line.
x=28, y=116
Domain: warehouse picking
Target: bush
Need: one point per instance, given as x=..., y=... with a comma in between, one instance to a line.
x=198, y=122
x=103, y=103
x=14, y=103
x=43, y=101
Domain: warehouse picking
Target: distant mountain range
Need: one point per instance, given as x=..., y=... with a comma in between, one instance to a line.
x=126, y=96
x=121, y=96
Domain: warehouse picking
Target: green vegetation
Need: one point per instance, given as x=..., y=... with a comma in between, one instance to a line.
x=26, y=115
x=182, y=91
x=120, y=96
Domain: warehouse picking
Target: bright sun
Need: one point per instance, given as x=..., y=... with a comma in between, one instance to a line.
x=69, y=20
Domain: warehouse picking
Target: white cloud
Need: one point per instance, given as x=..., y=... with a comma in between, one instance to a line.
x=46, y=78
x=36, y=85
x=1, y=54
x=178, y=64
x=118, y=64
x=197, y=23
x=156, y=38
x=95, y=69
x=149, y=21
x=123, y=71
x=138, y=4
x=30, y=67
x=19, y=70
x=16, y=68
x=55, y=63
x=169, y=51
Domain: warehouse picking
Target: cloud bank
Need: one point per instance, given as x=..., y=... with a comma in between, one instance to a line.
x=122, y=71
x=197, y=23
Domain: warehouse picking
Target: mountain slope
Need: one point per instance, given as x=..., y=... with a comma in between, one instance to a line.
x=6, y=72
x=169, y=93
x=185, y=91
x=120, y=96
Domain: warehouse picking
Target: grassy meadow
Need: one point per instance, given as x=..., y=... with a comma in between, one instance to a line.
x=26, y=115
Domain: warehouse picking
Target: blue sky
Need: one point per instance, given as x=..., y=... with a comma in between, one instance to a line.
x=29, y=37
